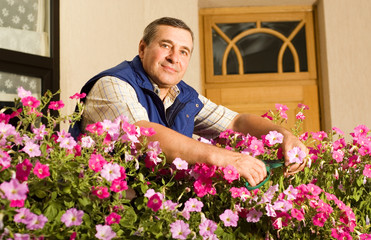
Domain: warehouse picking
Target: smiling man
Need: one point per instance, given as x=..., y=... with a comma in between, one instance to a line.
x=150, y=92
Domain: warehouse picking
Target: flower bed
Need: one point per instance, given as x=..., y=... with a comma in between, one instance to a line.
x=113, y=184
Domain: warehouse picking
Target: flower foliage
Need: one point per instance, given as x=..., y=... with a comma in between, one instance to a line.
x=112, y=183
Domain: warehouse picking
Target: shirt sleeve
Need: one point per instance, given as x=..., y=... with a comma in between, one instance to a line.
x=110, y=98
x=212, y=119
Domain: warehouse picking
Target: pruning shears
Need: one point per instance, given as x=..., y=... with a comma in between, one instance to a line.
x=269, y=164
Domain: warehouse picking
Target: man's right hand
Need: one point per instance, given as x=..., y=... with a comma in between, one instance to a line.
x=250, y=168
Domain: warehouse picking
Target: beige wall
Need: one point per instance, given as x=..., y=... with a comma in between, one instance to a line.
x=96, y=35
x=345, y=54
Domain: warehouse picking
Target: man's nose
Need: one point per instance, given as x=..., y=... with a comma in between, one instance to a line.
x=173, y=56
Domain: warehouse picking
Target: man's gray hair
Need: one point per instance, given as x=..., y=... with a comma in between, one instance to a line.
x=151, y=29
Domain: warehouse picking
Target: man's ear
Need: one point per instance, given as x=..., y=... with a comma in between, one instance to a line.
x=142, y=46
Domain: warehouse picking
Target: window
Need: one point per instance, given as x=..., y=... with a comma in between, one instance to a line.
x=29, y=47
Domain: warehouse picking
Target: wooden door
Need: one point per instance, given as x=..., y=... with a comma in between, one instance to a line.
x=256, y=57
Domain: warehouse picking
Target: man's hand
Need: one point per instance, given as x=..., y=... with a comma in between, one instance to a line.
x=250, y=168
x=289, y=142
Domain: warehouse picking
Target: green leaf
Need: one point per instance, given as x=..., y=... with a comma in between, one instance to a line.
x=84, y=201
x=40, y=193
x=52, y=210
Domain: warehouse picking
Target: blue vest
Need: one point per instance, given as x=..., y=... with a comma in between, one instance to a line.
x=179, y=116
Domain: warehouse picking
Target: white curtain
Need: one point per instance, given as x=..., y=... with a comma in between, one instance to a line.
x=23, y=29
x=22, y=26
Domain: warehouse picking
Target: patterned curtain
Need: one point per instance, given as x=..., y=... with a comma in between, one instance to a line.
x=22, y=29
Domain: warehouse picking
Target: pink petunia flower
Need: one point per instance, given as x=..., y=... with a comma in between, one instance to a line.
x=101, y=192
x=338, y=155
x=303, y=106
x=111, y=171
x=180, y=164
x=56, y=105
x=296, y=155
x=23, y=170
x=253, y=216
x=72, y=217
x=118, y=185
x=179, y=229
x=207, y=228
x=87, y=142
x=36, y=222
x=5, y=160
x=203, y=186
x=32, y=149
x=274, y=137
x=23, y=216
x=41, y=170
x=291, y=192
x=360, y=131
x=230, y=173
x=95, y=128
x=256, y=147
x=113, y=218
x=22, y=93
x=104, y=232
x=193, y=205
x=147, y=131
x=282, y=110
x=229, y=218
x=14, y=190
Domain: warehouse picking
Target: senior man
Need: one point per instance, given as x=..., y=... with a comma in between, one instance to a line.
x=150, y=92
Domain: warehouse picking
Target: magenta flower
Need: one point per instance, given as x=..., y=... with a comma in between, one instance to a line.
x=36, y=222
x=32, y=149
x=193, y=205
x=338, y=131
x=179, y=229
x=101, y=192
x=360, y=131
x=56, y=105
x=147, y=131
x=297, y=214
x=169, y=205
x=41, y=170
x=203, y=186
x=274, y=137
x=282, y=110
x=296, y=155
x=111, y=171
x=300, y=116
x=229, y=218
x=256, y=147
x=30, y=101
x=367, y=170
x=40, y=132
x=319, y=135
x=180, y=164
x=154, y=202
x=95, y=128
x=113, y=218
x=23, y=170
x=207, y=228
x=96, y=162
x=78, y=96
x=319, y=219
x=230, y=173
x=72, y=217
x=104, y=232
x=303, y=106
x=14, y=190
x=118, y=185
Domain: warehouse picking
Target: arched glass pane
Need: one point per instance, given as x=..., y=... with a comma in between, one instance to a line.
x=285, y=28
x=300, y=44
x=259, y=52
x=219, y=46
x=233, y=29
x=232, y=63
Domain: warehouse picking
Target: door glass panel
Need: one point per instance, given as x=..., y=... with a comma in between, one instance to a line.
x=10, y=82
x=24, y=26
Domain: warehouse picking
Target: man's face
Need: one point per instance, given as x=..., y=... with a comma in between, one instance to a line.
x=165, y=59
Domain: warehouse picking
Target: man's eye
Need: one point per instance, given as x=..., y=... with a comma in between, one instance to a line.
x=165, y=46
